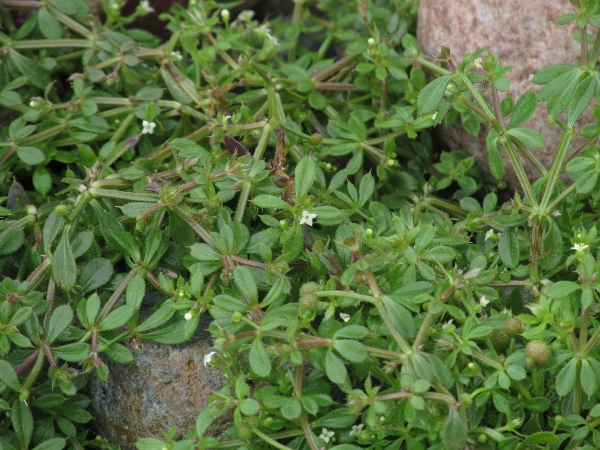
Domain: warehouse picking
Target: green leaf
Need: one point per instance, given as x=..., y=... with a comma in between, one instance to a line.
x=562, y=289
x=52, y=227
x=338, y=418
x=335, y=368
x=11, y=240
x=544, y=437
x=204, y=420
x=588, y=378
x=524, y=109
x=454, y=433
x=135, y=291
x=351, y=350
x=508, y=248
x=494, y=158
x=160, y=316
x=64, y=269
x=116, y=318
x=305, y=174
x=42, y=181
x=581, y=99
x=291, y=409
x=537, y=404
x=51, y=444
x=156, y=245
x=352, y=332
x=22, y=421
x=36, y=75
x=8, y=376
x=527, y=136
x=586, y=182
x=245, y=282
x=559, y=91
x=31, y=155
x=96, y=273
x=75, y=352
x=271, y=202
x=259, y=359
x=565, y=381
x=59, y=321
x=150, y=444
x=49, y=25
x=401, y=319
x=432, y=95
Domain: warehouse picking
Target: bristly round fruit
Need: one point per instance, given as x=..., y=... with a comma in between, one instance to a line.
x=500, y=340
x=308, y=299
x=538, y=351
x=513, y=326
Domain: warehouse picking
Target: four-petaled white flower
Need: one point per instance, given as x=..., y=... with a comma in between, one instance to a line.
x=208, y=357
x=326, y=435
x=483, y=301
x=356, y=429
x=489, y=234
x=145, y=5
x=578, y=247
x=307, y=218
x=188, y=316
x=148, y=127
x=176, y=56
x=447, y=324
x=345, y=317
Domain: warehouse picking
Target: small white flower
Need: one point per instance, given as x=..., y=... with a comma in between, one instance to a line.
x=483, y=301
x=489, y=234
x=148, y=127
x=145, y=5
x=578, y=247
x=447, y=324
x=356, y=429
x=371, y=42
x=326, y=435
x=176, y=56
x=478, y=63
x=245, y=16
x=307, y=218
x=263, y=30
x=345, y=317
x=188, y=315
x=208, y=357
x=434, y=116
x=225, y=14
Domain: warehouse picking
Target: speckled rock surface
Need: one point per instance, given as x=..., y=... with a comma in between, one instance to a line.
x=523, y=35
x=166, y=385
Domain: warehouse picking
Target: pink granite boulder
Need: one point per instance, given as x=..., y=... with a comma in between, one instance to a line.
x=523, y=35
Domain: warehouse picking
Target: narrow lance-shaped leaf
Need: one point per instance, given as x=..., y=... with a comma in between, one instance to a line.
x=305, y=174
x=431, y=96
x=508, y=247
x=63, y=263
x=581, y=99
x=495, y=161
x=524, y=109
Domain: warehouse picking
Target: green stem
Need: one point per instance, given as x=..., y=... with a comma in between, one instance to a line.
x=556, y=168
x=258, y=154
x=564, y=194
x=344, y=294
x=578, y=394
x=35, y=371
x=423, y=330
x=114, y=298
x=269, y=440
x=35, y=44
x=123, y=195
x=431, y=66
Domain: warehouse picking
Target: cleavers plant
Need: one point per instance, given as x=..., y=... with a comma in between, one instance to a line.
x=366, y=290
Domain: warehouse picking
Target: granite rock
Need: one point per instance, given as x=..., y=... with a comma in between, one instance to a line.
x=165, y=385
x=523, y=35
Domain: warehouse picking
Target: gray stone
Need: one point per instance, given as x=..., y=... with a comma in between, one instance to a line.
x=166, y=385
x=523, y=35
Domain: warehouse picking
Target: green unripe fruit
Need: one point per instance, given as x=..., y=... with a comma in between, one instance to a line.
x=308, y=300
x=236, y=316
x=513, y=326
x=538, y=351
x=500, y=340
x=245, y=432
x=316, y=139
x=253, y=421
